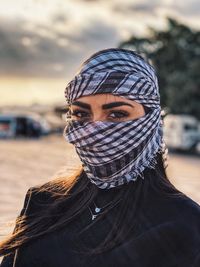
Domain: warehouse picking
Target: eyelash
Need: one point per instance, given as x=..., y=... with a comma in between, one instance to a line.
x=121, y=114
x=76, y=112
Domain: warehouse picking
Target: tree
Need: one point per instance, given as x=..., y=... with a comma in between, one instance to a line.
x=175, y=54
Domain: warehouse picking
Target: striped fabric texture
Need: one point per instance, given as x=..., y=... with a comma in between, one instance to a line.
x=114, y=153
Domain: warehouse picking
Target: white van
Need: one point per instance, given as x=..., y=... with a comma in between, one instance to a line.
x=22, y=125
x=181, y=132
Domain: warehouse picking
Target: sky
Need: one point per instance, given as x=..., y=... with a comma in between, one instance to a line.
x=43, y=42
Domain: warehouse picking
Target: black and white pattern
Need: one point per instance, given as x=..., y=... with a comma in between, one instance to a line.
x=114, y=153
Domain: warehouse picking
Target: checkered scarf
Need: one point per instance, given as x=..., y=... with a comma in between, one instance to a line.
x=114, y=153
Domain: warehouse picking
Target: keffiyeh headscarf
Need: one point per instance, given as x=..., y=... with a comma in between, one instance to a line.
x=114, y=153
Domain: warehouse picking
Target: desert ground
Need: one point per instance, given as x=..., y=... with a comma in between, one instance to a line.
x=26, y=163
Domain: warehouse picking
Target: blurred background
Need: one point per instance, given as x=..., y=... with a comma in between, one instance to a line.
x=43, y=42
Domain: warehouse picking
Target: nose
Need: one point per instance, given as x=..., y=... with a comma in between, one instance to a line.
x=98, y=117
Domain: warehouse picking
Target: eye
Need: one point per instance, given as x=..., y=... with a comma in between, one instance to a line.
x=80, y=114
x=119, y=114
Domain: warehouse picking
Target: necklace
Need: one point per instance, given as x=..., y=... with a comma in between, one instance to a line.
x=97, y=210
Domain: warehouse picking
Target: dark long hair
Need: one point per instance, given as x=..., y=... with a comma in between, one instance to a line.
x=70, y=197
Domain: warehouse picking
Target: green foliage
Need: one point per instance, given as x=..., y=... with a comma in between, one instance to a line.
x=175, y=54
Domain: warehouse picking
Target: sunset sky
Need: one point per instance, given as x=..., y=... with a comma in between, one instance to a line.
x=42, y=42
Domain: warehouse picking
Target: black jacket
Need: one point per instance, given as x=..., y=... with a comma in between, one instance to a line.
x=167, y=235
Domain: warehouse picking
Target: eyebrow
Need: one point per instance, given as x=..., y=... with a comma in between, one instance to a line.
x=81, y=104
x=115, y=104
x=105, y=106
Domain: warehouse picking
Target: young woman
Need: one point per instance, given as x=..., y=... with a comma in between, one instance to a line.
x=120, y=209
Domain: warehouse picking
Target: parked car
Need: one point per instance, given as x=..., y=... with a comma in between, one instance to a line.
x=181, y=132
x=22, y=125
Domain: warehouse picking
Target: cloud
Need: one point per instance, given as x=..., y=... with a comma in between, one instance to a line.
x=55, y=45
x=128, y=7
x=28, y=49
x=186, y=8
x=60, y=18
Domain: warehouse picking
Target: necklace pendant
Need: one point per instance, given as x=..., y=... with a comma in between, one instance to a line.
x=94, y=216
x=97, y=210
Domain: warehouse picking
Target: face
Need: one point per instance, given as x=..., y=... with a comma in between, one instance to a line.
x=105, y=107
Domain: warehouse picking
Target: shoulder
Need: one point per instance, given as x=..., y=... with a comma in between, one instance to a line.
x=184, y=232
x=188, y=218
x=44, y=195
x=174, y=223
x=172, y=205
x=186, y=211
x=187, y=208
x=184, y=222
x=179, y=214
x=34, y=199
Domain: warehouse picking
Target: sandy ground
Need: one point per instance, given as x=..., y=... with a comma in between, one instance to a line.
x=26, y=163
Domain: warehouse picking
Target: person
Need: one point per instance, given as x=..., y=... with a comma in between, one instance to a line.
x=119, y=209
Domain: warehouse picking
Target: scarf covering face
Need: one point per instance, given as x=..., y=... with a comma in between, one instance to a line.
x=115, y=153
